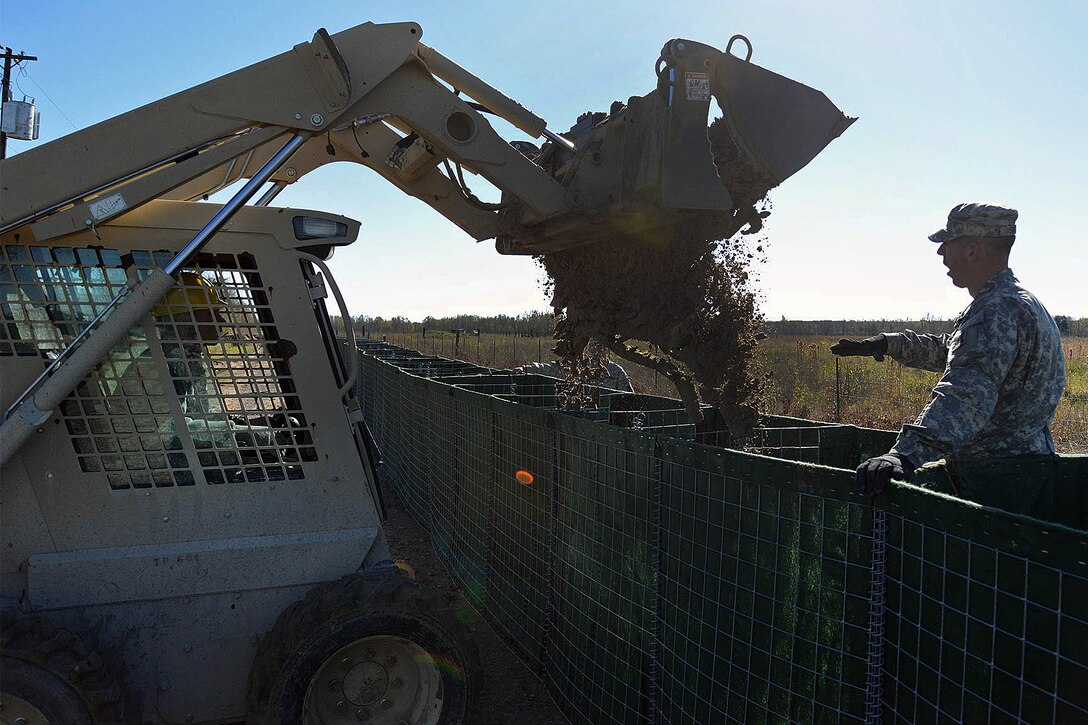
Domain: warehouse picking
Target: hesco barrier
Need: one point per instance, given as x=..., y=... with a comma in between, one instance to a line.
x=651, y=575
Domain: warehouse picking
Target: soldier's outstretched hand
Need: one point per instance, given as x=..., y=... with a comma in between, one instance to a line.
x=875, y=346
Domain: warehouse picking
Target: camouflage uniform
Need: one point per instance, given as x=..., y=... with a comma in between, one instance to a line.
x=197, y=392
x=1004, y=373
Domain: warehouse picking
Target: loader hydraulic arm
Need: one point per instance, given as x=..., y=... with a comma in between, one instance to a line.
x=351, y=92
x=372, y=95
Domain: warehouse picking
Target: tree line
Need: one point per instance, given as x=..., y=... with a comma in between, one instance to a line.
x=536, y=323
x=540, y=323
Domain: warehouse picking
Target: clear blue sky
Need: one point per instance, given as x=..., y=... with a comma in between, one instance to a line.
x=959, y=100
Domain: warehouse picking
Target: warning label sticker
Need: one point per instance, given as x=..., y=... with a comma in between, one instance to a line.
x=108, y=206
x=698, y=86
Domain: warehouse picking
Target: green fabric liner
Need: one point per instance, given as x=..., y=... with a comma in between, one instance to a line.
x=520, y=526
x=651, y=576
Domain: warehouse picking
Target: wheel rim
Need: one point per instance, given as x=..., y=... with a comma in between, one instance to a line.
x=17, y=711
x=379, y=680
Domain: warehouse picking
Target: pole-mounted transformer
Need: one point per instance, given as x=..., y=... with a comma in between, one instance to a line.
x=19, y=119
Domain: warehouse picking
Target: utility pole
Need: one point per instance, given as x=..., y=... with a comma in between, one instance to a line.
x=9, y=57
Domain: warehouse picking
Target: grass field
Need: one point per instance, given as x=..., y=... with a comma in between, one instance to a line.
x=807, y=380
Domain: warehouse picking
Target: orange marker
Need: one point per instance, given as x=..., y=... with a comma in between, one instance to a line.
x=524, y=477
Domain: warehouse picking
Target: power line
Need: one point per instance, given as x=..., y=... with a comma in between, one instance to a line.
x=30, y=78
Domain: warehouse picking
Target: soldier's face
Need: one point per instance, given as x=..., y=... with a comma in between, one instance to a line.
x=956, y=255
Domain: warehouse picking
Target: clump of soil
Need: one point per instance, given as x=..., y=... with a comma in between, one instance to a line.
x=677, y=299
x=580, y=370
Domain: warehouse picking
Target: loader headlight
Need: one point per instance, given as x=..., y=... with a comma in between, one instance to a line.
x=313, y=227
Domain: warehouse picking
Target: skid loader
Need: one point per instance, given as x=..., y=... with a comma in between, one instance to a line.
x=191, y=527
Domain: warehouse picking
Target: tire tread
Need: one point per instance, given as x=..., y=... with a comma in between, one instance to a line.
x=66, y=655
x=366, y=593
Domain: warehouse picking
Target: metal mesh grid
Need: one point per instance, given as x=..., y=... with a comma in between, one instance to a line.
x=121, y=420
x=604, y=567
x=463, y=438
x=519, y=511
x=412, y=414
x=49, y=294
x=198, y=390
x=984, y=624
x=765, y=592
x=389, y=419
x=653, y=579
x=238, y=393
x=796, y=444
x=436, y=367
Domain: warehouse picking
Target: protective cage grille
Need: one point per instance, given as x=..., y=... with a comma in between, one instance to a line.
x=651, y=575
x=199, y=391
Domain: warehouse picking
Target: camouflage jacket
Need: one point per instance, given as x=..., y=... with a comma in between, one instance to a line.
x=1004, y=373
x=198, y=395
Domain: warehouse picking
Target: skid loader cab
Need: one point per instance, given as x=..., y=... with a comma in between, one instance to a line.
x=193, y=485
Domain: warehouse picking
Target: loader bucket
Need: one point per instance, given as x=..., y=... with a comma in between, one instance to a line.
x=778, y=123
x=654, y=163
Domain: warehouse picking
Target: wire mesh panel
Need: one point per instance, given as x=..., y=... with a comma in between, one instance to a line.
x=436, y=367
x=200, y=391
x=809, y=444
x=462, y=431
x=656, y=579
x=520, y=523
x=229, y=367
x=648, y=413
x=402, y=412
x=48, y=295
x=537, y=391
x=438, y=473
x=604, y=573
x=377, y=382
x=987, y=616
x=764, y=590
x=415, y=419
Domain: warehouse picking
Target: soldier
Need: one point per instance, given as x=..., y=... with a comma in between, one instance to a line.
x=614, y=377
x=602, y=371
x=189, y=316
x=1003, y=365
x=189, y=319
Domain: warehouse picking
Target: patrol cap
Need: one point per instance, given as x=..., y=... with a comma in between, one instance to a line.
x=976, y=219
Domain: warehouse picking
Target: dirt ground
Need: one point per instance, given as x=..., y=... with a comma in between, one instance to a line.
x=511, y=693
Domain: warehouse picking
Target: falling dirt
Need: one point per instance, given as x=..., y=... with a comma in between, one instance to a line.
x=677, y=299
x=580, y=370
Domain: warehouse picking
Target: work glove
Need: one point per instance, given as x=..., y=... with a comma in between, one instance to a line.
x=876, y=346
x=872, y=476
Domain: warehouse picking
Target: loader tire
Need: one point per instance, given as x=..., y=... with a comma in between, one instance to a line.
x=51, y=676
x=377, y=648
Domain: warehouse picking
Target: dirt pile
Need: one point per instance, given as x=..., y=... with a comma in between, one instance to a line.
x=677, y=299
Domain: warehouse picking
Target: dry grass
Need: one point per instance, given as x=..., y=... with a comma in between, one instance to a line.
x=807, y=380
